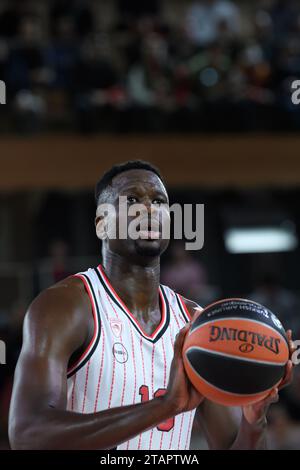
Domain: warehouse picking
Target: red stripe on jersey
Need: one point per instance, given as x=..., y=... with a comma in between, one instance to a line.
x=73, y=392
x=171, y=338
x=152, y=386
x=124, y=379
x=112, y=383
x=103, y=305
x=96, y=326
x=134, y=369
x=100, y=373
x=180, y=432
x=165, y=362
x=85, y=385
x=184, y=307
x=182, y=317
x=175, y=316
x=165, y=381
x=172, y=433
x=163, y=313
x=189, y=430
x=134, y=365
x=143, y=362
x=124, y=383
x=144, y=382
x=112, y=305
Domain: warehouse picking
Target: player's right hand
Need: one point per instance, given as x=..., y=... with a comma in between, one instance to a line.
x=180, y=392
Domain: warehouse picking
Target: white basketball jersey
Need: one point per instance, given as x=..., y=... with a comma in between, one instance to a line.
x=123, y=365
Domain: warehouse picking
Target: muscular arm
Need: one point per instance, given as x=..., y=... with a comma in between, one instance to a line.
x=58, y=324
x=222, y=431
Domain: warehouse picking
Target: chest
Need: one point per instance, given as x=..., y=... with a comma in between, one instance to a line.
x=128, y=367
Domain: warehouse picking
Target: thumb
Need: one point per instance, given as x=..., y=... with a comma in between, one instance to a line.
x=180, y=337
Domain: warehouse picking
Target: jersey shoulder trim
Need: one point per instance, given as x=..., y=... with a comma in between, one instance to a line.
x=183, y=308
x=86, y=355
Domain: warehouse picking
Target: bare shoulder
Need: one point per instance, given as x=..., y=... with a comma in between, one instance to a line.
x=61, y=312
x=193, y=307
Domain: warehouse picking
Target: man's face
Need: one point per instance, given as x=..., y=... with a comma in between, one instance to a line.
x=142, y=216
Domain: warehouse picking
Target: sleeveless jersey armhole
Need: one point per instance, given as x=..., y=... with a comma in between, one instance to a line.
x=183, y=308
x=86, y=355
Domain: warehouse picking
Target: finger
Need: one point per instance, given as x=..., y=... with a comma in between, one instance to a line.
x=262, y=405
x=180, y=337
x=195, y=395
x=292, y=347
x=198, y=312
x=288, y=376
x=273, y=397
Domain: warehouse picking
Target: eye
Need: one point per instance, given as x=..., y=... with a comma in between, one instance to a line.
x=131, y=199
x=158, y=201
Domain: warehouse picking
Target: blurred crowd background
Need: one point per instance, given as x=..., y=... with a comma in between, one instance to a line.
x=151, y=66
x=148, y=67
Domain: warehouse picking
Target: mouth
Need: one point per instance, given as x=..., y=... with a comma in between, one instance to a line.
x=153, y=231
x=149, y=235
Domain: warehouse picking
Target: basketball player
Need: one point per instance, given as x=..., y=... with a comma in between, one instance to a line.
x=101, y=366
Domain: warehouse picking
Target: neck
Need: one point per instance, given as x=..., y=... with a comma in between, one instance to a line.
x=137, y=285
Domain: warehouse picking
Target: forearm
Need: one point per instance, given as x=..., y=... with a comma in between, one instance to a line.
x=59, y=429
x=251, y=437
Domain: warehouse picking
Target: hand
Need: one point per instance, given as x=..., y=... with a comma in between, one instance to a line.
x=256, y=413
x=180, y=392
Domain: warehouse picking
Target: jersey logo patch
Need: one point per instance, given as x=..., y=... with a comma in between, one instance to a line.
x=116, y=327
x=120, y=353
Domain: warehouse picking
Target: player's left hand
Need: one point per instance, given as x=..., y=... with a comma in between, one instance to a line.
x=256, y=413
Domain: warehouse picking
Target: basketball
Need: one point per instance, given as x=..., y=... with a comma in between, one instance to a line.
x=235, y=352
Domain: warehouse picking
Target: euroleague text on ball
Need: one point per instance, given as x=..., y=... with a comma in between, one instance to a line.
x=2, y=353
x=2, y=92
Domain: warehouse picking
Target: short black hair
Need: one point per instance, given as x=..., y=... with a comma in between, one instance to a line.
x=115, y=170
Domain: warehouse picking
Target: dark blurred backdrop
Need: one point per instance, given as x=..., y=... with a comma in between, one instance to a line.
x=201, y=89
x=152, y=66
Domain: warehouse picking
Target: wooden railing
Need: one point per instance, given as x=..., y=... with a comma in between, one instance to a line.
x=72, y=162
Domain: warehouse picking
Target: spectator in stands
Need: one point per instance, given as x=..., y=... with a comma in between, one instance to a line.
x=134, y=9
x=188, y=276
x=284, y=16
x=98, y=83
x=26, y=62
x=281, y=301
x=11, y=16
x=26, y=75
x=149, y=83
x=205, y=73
x=80, y=13
x=208, y=20
x=62, y=54
x=59, y=252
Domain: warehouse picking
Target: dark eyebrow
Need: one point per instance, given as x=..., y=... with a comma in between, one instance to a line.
x=134, y=190
x=161, y=194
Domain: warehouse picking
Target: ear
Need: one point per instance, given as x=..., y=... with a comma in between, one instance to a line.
x=101, y=226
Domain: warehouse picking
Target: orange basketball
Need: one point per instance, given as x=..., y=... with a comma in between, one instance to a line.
x=235, y=352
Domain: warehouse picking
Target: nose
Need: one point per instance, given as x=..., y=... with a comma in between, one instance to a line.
x=150, y=208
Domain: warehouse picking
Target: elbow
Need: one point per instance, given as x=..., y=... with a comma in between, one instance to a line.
x=17, y=439
x=25, y=436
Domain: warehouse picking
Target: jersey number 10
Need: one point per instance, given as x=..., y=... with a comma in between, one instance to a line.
x=144, y=392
